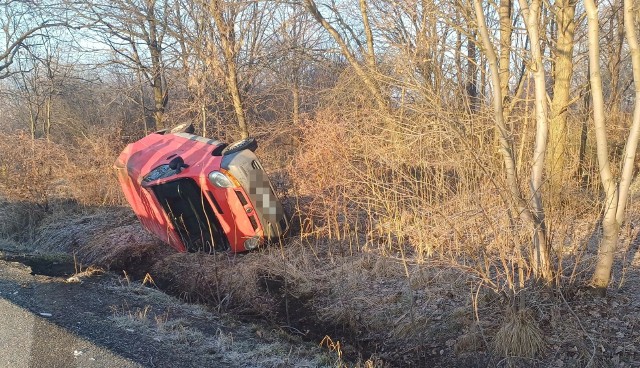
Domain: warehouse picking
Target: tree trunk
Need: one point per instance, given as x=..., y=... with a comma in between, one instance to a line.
x=542, y=253
x=203, y=112
x=157, y=81
x=505, y=46
x=608, y=245
x=232, y=84
x=32, y=122
x=227, y=38
x=370, y=53
x=483, y=79
x=615, y=194
x=296, y=101
x=515, y=196
x=606, y=252
x=563, y=70
x=472, y=73
x=634, y=133
x=158, y=99
x=47, y=119
x=142, y=103
x=617, y=39
x=458, y=56
x=583, y=173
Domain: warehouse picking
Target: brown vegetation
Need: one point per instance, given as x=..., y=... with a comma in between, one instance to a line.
x=403, y=264
x=436, y=225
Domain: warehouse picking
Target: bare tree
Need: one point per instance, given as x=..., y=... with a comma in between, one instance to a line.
x=505, y=11
x=27, y=85
x=616, y=192
x=20, y=22
x=615, y=55
x=41, y=72
x=542, y=261
x=224, y=19
x=295, y=40
x=223, y=44
x=472, y=73
x=364, y=72
x=135, y=30
x=562, y=73
x=535, y=216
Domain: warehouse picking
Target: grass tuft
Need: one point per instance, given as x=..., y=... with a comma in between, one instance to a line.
x=519, y=336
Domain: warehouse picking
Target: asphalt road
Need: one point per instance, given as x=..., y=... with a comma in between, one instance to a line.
x=75, y=329
x=28, y=340
x=70, y=332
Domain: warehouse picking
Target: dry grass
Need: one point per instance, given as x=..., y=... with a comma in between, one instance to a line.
x=110, y=239
x=11, y=246
x=41, y=172
x=196, y=331
x=519, y=336
x=212, y=279
x=402, y=231
x=83, y=274
x=19, y=220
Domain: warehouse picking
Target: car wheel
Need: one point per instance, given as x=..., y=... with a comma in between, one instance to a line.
x=219, y=149
x=247, y=143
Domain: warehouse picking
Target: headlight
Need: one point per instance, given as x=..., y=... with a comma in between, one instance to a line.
x=252, y=243
x=220, y=180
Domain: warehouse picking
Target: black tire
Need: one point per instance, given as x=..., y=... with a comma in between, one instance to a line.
x=237, y=146
x=219, y=149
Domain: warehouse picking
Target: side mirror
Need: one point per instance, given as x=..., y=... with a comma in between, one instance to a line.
x=177, y=164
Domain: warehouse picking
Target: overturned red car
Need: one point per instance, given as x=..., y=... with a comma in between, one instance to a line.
x=199, y=194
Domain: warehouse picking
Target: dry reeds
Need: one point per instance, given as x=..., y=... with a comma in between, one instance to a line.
x=519, y=336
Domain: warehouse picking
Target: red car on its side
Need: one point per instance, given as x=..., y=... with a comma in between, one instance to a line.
x=199, y=194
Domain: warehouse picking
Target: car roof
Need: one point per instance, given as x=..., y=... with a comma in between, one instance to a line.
x=156, y=149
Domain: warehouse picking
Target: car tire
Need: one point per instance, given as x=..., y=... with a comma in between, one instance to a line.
x=237, y=146
x=219, y=149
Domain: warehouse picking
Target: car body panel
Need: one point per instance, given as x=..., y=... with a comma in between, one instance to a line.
x=168, y=203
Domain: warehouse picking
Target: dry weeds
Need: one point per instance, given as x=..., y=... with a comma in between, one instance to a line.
x=41, y=172
x=194, y=328
x=519, y=336
x=83, y=274
x=406, y=253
